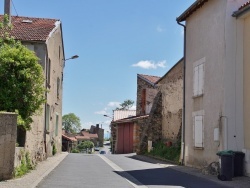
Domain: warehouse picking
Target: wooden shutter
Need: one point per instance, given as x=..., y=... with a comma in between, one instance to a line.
x=195, y=81
x=198, y=131
x=200, y=79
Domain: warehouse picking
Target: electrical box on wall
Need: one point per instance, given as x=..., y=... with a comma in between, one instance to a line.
x=216, y=134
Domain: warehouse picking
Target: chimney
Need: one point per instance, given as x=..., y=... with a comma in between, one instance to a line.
x=7, y=9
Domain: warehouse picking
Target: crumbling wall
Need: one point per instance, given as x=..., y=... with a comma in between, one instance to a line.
x=151, y=127
x=8, y=130
x=171, y=87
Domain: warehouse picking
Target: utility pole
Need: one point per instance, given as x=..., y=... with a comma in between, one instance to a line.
x=7, y=9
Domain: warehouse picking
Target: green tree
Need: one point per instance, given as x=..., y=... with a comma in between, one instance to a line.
x=71, y=123
x=22, y=81
x=126, y=105
x=85, y=144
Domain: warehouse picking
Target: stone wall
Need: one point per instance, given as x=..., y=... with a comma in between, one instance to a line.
x=142, y=84
x=151, y=127
x=8, y=130
x=171, y=87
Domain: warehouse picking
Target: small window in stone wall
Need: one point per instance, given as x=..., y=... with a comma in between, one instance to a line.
x=58, y=87
x=21, y=137
x=143, y=101
x=56, y=128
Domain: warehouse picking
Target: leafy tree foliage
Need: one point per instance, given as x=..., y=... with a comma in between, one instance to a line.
x=86, y=144
x=71, y=123
x=126, y=105
x=22, y=81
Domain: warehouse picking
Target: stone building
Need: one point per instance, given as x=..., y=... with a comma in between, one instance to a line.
x=148, y=107
x=44, y=37
x=171, y=88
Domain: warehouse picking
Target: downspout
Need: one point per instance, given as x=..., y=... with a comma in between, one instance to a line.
x=184, y=101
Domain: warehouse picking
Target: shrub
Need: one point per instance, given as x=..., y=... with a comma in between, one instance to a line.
x=25, y=166
x=170, y=153
x=54, y=150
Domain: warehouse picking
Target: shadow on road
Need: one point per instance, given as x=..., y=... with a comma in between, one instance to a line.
x=166, y=177
x=149, y=160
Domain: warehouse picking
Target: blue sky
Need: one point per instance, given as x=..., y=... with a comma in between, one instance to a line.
x=115, y=41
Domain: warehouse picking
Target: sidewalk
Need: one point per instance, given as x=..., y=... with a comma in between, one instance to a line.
x=237, y=182
x=32, y=179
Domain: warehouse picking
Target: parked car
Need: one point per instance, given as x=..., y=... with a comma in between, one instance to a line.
x=103, y=152
x=97, y=148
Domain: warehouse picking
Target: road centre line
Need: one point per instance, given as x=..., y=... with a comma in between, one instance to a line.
x=130, y=179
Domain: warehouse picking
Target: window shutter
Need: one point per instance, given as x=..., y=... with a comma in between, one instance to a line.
x=201, y=79
x=198, y=131
x=196, y=78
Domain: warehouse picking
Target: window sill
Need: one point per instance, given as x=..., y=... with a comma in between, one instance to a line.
x=197, y=96
x=198, y=148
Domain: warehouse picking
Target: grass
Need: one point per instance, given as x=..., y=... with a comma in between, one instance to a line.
x=170, y=153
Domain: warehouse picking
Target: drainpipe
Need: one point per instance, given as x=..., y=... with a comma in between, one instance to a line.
x=184, y=101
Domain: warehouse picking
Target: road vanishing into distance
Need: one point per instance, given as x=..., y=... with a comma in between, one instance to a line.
x=121, y=171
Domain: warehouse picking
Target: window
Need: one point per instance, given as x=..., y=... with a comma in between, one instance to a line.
x=58, y=88
x=198, y=131
x=47, y=117
x=30, y=47
x=198, y=77
x=48, y=72
x=56, y=129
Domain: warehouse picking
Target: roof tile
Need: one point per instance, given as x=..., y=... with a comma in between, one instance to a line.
x=244, y=5
x=31, y=29
x=152, y=79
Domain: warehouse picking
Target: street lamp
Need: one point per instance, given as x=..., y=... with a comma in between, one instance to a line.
x=107, y=116
x=73, y=57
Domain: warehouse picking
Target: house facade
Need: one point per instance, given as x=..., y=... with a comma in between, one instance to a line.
x=242, y=16
x=44, y=37
x=214, y=97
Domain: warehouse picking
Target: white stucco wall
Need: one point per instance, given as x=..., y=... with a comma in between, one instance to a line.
x=216, y=36
x=205, y=41
x=246, y=61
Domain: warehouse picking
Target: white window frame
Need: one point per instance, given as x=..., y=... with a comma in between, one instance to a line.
x=198, y=77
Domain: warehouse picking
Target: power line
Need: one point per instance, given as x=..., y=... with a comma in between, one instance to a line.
x=14, y=7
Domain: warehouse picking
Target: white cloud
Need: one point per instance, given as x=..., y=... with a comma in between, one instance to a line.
x=159, y=29
x=150, y=64
x=114, y=104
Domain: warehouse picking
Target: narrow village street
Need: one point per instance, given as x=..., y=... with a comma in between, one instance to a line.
x=83, y=170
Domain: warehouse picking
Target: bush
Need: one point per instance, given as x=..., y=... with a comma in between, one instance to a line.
x=170, y=153
x=54, y=150
x=85, y=145
x=25, y=166
x=75, y=151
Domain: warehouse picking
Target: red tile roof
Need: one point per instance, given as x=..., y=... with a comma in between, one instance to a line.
x=31, y=29
x=73, y=139
x=244, y=5
x=87, y=134
x=151, y=79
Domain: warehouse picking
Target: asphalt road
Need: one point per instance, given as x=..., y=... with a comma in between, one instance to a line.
x=111, y=171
